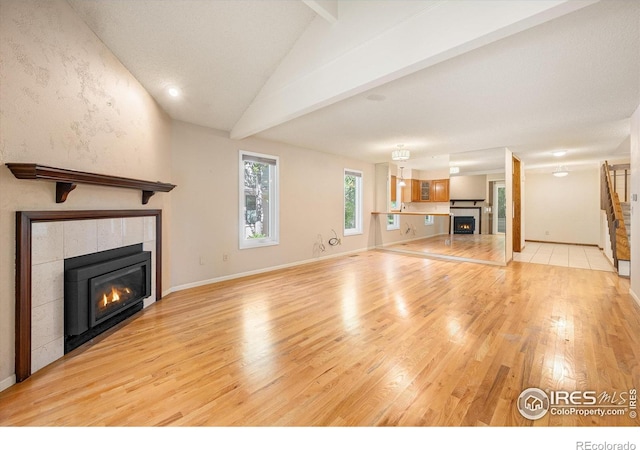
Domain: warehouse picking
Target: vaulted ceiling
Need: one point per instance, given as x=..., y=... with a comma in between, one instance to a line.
x=359, y=77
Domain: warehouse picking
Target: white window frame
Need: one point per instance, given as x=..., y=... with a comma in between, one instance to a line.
x=395, y=225
x=429, y=220
x=358, y=229
x=274, y=201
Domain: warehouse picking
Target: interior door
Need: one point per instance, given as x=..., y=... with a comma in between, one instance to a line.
x=517, y=214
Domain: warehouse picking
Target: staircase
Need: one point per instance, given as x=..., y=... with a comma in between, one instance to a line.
x=626, y=214
x=618, y=218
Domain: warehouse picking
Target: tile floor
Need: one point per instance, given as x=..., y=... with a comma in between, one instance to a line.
x=578, y=256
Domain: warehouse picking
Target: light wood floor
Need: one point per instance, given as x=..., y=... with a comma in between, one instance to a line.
x=484, y=247
x=366, y=340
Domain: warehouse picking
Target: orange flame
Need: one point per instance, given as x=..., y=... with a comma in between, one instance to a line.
x=114, y=296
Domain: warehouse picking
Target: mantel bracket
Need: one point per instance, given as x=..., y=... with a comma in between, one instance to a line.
x=146, y=195
x=63, y=189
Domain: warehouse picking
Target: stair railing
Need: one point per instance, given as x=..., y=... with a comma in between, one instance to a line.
x=615, y=218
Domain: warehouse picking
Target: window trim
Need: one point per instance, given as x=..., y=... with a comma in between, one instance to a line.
x=359, y=229
x=429, y=220
x=274, y=202
x=396, y=222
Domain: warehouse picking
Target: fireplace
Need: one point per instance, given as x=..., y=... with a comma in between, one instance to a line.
x=464, y=225
x=103, y=289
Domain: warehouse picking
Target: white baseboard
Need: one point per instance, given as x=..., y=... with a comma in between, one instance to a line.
x=634, y=296
x=7, y=382
x=624, y=268
x=182, y=287
x=613, y=263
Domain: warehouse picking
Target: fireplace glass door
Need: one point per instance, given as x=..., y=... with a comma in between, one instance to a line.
x=116, y=290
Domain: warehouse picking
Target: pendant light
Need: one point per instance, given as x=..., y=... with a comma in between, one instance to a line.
x=401, y=181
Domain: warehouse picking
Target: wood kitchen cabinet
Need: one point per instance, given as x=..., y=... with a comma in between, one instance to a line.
x=415, y=191
x=440, y=190
x=426, y=191
x=394, y=188
x=424, y=194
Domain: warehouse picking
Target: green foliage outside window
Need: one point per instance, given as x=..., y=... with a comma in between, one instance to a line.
x=349, y=202
x=256, y=185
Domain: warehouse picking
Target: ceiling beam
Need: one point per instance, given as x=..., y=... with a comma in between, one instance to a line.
x=439, y=31
x=327, y=9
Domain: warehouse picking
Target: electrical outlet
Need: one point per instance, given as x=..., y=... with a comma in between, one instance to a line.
x=546, y=233
x=202, y=260
x=225, y=257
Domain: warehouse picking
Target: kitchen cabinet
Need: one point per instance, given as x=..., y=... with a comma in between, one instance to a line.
x=426, y=191
x=414, y=190
x=440, y=190
x=424, y=195
x=394, y=188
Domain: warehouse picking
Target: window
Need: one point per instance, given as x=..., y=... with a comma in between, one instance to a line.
x=258, y=200
x=352, y=202
x=428, y=220
x=393, y=222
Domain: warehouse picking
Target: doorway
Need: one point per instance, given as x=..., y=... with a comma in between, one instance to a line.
x=500, y=204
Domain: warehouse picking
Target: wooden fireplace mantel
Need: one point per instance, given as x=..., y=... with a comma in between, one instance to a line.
x=67, y=180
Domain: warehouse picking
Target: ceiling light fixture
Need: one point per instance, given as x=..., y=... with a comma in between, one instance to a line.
x=560, y=172
x=559, y=153
x=401, y=154
x=173, y=92
x=454, y=169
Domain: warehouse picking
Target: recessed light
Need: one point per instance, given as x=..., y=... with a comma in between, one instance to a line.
x=559, y=153
x=174, y=92
x=376, y=97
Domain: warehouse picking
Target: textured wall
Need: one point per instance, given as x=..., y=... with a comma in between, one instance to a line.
x=66, y=101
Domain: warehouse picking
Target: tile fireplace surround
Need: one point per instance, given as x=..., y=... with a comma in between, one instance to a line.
x=43, y=240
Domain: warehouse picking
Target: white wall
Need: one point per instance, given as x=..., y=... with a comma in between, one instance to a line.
x=565, y=209
x=66, y=101
x=635, y=211
x=468, y=187
x=205, y=206
x=383, y=186
x=412, y=227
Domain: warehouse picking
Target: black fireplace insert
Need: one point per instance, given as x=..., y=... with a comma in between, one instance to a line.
x=103, y=289
x=464, y=225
